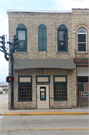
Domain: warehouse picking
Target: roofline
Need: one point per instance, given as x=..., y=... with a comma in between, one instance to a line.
x=40, y=11
x=80, y=8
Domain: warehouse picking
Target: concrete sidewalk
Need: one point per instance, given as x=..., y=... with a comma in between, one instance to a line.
x=5, y=111
x=81, y=111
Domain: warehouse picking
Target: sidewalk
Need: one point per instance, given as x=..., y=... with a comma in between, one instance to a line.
x=77, y=111
x=47, y=112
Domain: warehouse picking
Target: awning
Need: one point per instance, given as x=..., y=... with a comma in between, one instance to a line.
x=43, y=63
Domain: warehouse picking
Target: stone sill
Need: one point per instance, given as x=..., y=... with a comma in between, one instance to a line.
x=62, y=53
x=21, y=52
x=81, y=52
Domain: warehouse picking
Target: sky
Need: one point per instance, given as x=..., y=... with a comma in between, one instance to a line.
x=30, y=5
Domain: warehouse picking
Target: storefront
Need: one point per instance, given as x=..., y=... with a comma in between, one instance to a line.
x=82, y=82
x=49, y=84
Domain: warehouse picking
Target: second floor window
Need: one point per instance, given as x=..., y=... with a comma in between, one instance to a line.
x=21, y=33
x=62, y=37
x=81, y=40
x=42, y=37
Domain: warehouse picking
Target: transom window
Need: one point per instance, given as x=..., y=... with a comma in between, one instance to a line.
x=81, y=40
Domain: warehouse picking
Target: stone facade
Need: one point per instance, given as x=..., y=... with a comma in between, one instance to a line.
x=71, y=87
x=78, y=18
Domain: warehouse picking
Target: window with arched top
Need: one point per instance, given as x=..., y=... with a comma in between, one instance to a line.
x=81, y=34
x=42, y=37
x=62, y=38
x=21, y=33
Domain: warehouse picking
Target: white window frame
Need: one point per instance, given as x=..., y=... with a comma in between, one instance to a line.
x=82, y=42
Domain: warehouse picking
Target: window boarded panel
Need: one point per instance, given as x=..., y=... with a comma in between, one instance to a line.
x=42, y=79
x=60, y=79
x=42, y=37
x=25, y=79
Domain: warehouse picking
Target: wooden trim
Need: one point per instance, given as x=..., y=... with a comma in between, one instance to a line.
x=84, y=27
x=81, y=61
x=60, y=79
x=63, y=76
x=25, y=83
x=76, y=87
x=42, y=79
x=82, y=65
x=41, y=76
x=25, y=79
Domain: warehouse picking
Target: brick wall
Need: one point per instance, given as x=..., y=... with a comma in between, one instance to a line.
x=52, y=22
x=73, y=21
x=80, y=18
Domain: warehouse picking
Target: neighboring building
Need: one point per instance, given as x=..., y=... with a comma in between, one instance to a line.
x=3, y=88
x=52, y=57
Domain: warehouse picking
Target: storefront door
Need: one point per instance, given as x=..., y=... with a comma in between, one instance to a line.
x=42, y=96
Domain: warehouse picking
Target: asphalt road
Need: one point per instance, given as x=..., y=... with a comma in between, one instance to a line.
x=44, y=125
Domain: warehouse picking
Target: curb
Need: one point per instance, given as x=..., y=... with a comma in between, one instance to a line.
x=46, y=113
x=37, y=129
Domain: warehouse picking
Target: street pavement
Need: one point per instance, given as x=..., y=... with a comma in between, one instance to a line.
x=45, y=124
x=42, y=124
x=49, y=132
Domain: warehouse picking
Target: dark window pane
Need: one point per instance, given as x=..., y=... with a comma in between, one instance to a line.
x=81, y=47
x=60, y=92
x=80, y=87
x=62, y=35
x=81, y=37
x=24, y=91
x=21, y=41
x=21, y=45
x=42, y=93
x=62, y=45
x=82, y=78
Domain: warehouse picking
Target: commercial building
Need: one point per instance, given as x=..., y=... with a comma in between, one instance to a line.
x=52, y=57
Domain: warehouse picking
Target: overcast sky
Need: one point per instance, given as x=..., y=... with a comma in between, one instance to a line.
x=30, y=5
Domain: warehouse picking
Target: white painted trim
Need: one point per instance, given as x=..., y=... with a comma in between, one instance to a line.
x=40, y=11
x=81, y=42
x=43, y=104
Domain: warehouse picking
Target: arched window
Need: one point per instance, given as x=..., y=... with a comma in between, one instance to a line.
x=81, y=33
x=62, y=38
x=42, y=37
x=21, y=33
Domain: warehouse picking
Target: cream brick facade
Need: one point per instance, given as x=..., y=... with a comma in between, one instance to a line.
x=78, y=18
